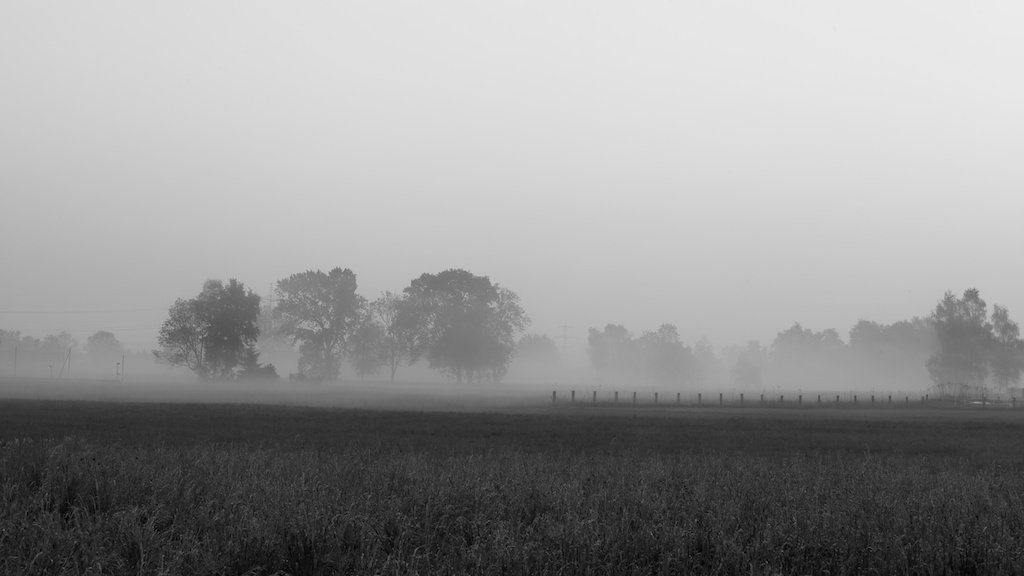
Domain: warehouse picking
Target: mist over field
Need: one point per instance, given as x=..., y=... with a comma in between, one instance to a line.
x=680, y=197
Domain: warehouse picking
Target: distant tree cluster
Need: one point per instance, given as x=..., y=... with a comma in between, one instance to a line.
x=460, y=323
x=659, y=356
x=972, y=346
x=959, y=347
x=103, y=355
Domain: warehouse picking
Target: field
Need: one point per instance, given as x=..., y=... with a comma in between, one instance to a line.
x=99, y=487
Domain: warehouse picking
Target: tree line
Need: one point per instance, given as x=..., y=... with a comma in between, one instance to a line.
x=103, y=355
x=959, y=347
x=462, y=324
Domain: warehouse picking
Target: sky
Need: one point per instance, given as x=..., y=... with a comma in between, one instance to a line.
x=729, y=167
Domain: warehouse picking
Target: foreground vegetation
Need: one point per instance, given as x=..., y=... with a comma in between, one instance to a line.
x=105, y=488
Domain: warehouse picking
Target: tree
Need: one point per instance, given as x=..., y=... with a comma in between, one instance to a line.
x=319, y=312
x=538, y=349
x=612, y=349
x=367, y=349
x=1008, y=354
x=395, y=315
x=965, y=338
x=252, y=369
x=103, y=346
x=465, y=325
x=211, y=333
x=665, y=357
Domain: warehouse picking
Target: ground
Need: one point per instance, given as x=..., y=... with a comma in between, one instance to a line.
x=241, y=488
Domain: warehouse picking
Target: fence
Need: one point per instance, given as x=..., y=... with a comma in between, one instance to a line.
x=783, y=400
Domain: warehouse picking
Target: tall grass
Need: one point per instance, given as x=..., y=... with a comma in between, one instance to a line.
x=370, y=504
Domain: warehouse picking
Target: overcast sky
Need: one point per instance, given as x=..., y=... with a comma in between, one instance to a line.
x=729, y=167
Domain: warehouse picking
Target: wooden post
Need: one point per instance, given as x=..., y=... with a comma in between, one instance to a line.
x=595, y=397
x=655, y=397
x=616, y=396
x=762, y=398
x=572, y=397
x=719, y=398
x=800, y=400
x=678, y=399
x=553, y=392
x=855, y=399
x=837, y=398
x=890, y=399
x=634, y=397
x=906, y=401
x=698, y=398
x=872, y=399
x=781, y=399
x=741, y=398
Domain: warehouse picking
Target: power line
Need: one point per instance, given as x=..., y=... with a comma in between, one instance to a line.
x=125, y=310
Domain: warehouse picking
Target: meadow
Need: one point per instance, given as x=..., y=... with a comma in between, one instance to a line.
x=108, y=488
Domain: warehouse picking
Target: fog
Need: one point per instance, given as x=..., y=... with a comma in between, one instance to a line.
x=729, y=169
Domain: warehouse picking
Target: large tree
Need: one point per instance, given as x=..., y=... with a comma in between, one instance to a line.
x=965, y=341
x=211, y=333
x=319, y=311
x=465, y=325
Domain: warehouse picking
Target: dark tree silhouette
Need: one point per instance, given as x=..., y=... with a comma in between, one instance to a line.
x=211, y=333
x=319, y=311
x=965, y=342
x=465, y=326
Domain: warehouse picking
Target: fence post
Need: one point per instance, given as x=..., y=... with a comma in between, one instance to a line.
x=782, y=398
x=553, y=392
x=572, y=397
x=655, y=397
x=741, y=398
x=837, y=398
x=719, y=398
x=595, y=397
x=819, y=399
x=800, y=400
x=854, y=399
x=678, y=400
x=698, y=398
x=762, y=398
x=634, y=397
x=616, y=396
x=906, y=401
x=890, y=399
x=872, y=399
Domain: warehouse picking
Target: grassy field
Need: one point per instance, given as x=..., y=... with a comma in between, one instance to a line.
x=234, y=489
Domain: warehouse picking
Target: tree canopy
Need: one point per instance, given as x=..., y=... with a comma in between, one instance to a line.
x=319, y=311
x=466, y=326
x=211, y=333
